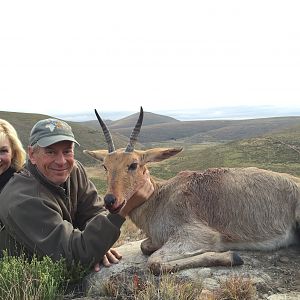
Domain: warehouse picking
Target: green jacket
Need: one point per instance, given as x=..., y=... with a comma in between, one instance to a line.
x=42, y=218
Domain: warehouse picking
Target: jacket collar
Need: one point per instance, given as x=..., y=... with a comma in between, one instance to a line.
x=4, y=177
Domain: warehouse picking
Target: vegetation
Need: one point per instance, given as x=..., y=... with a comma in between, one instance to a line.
x=43, y=279
x=47, y=280
x=273, y=153
x=129, y=233
x=167, y=287
x=236, y=288
x=147, y=287
x=100, y=184
x=267, y=143
x=162, y=129
x=194, y=132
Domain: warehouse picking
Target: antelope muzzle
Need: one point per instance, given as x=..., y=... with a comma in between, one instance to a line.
x=111, y=203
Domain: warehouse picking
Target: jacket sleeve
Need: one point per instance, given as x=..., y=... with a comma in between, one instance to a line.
x=51, y=235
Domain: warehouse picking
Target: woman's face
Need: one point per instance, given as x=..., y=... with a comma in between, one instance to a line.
x=5, y=155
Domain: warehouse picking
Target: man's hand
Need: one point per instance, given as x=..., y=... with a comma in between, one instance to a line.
x=112, y=256
x=142, y=194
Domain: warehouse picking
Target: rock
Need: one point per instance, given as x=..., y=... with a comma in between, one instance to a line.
x=288, y=296
x=210, y=283
x=260, y=267
x=195, y=274
x=133, y=262
x=206, y=295
x=284, y=259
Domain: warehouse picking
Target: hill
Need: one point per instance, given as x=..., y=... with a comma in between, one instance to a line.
x=244, y=129
x=158, y=128
x=87, y=137
x=94, y=124
x=278, y=151
x=209, y=130
x=149, y=119
x=130, y=121
x=262, y=142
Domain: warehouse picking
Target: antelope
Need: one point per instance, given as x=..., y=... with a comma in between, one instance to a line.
x=199, y=218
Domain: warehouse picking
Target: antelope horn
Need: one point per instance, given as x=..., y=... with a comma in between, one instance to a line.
x=135, y=132
x=107, y=135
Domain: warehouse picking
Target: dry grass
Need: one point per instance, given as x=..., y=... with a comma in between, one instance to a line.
x=236, y=288
x=148, y=287
x=168, y=287
x=129, y=233
x=95, y=171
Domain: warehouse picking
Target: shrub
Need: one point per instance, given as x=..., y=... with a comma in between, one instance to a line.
x=38, y=279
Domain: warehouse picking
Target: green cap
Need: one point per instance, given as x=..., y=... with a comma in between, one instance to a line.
x=50, y=131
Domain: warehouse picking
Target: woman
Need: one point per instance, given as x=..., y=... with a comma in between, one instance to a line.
x=12, y=153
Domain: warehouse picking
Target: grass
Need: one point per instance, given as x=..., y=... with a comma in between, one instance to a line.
x=270, y=153
x=129, y=233
x=266, y=153
x=147, y=287
x=168, y=287
x=47, y=280
x=100, y=184
x=44, y=279
x=236, y=288
x=21, y=278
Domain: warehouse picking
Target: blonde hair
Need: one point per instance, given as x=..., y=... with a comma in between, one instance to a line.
x=18, y=152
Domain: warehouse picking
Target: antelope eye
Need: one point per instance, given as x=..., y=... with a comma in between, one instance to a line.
x=132, y=167
x=104, y=168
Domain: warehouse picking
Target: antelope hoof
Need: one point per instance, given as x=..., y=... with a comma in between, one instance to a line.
x=236, y=260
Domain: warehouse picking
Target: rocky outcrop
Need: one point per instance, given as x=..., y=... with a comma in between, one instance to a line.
x=275, y=275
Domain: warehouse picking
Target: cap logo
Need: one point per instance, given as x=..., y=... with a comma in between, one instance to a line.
x=54, y=124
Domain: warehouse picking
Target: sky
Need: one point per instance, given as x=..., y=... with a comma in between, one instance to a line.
x=201, y=58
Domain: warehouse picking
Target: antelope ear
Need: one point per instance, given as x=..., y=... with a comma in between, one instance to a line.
x=159, y=154
x=97, y=154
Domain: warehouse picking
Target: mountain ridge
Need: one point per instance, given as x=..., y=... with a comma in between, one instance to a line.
x=169, y=131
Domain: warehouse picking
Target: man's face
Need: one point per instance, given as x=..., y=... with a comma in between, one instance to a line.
x=55, y=162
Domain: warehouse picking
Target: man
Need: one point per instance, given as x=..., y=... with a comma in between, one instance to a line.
x=51, y=208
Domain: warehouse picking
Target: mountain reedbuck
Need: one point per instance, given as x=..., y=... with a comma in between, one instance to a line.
x=198, y=217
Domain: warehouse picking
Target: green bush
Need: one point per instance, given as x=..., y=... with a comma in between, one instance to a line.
x=21, y=278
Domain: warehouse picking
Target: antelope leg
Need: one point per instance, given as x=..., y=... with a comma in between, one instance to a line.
x=207, y=259
x=148, y=247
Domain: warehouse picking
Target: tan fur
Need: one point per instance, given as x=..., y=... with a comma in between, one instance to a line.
x=195, y=215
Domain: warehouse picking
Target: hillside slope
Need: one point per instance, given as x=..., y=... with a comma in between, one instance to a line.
x=211, y=130
x=130, y=121
x=88, y=138
x=278, y=151
x=252, y=142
